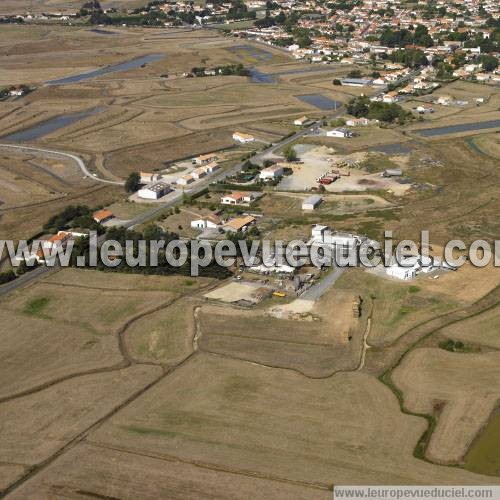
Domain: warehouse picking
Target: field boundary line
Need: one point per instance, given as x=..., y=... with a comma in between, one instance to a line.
x=211, y=466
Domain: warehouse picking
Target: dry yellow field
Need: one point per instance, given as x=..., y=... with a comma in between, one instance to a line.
x=60, y=413
x=460, y=388
x=251, y=420
x=317, y=346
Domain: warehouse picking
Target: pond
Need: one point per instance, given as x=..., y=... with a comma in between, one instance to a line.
x=124, y=66
x=320, y=101
x=396, y=148
x=260, y=77
x=483, y=456
x=47, y=127
x=462, y=127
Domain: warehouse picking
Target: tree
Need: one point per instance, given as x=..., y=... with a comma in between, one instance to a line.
x=355, y=73
x=133, y=182
x=99, y=17
x=422, y=37
x=289, y=154
x=358, y=106
x=336, y=81
x=409, y=57
x=490, y=63
x=304, y=40
x=7, y=276
x=444, y=71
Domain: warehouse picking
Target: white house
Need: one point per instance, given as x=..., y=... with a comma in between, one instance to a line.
x=424, y=108
x=207, y=222
x=356, y=122
x=154, y=191
x=390, y=97
x=199, y=173
x=272, y=172
x=339, y=132
x=239, y=198
x=211, y=167
x=243, y=138
x=302, y=121
x=444, y=100
x=147, y=177
x=205, y=159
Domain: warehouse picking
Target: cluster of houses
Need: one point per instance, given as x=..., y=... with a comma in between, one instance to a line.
x=156, y=185
x=50, y=245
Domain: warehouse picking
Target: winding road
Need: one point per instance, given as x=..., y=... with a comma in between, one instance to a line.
x=77, y=159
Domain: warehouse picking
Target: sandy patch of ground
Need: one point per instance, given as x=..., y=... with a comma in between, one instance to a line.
x=315, y=164
x=236, y=292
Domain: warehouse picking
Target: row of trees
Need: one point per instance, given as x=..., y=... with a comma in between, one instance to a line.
x=79, y=216
x=227, y=70
x=152, y=232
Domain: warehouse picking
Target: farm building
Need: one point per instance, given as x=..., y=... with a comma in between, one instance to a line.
x=324, y=235
x=272, y=172
x=339, y=132
x=408, y=267
x=243, y=138
x=392, y=172
x=154, y=191
x=312, y=202
x=357, y=82
x=102, y=216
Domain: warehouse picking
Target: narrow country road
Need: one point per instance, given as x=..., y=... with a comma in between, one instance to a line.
x=42, y=271
x=73, y=157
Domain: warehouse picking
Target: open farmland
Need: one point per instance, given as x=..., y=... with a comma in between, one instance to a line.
x=22, y=6
x=480, y=330
x=34, y=186
x=316, y=346
x=126, y=386
x=46, y=426
x=68, y=329
x=207, y=423
x=143, y=117
x=462, y=389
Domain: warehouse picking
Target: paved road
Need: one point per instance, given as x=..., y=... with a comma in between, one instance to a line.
x=176, y=198
x=317, y=290
x=77, y=159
